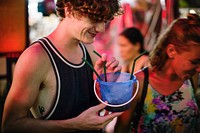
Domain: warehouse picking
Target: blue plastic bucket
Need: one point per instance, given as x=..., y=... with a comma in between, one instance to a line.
x=117, y=91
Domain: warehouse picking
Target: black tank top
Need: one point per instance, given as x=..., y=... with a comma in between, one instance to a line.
x=74, y=85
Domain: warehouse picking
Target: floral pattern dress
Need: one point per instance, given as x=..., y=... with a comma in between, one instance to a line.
x=176, y=113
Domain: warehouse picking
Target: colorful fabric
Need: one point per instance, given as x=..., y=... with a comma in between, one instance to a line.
x=175, y=113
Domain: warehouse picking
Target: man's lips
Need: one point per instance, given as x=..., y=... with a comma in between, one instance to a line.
x=93, y=34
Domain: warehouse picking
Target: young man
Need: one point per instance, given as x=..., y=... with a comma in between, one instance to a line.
x=53, y=81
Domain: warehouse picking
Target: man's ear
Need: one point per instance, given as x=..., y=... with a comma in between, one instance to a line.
x=68, y=9
x=171, y=51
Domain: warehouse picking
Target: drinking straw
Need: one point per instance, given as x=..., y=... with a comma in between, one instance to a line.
x=92, y=68
x=134, y=63
x=97, y=53
x=104, y=65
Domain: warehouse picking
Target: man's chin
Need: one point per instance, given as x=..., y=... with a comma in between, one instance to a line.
x=88, y=41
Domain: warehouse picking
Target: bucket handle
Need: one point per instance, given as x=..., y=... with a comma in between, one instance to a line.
x=120, y=105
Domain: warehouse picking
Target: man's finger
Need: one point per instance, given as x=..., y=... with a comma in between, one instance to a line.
x=110, y=61
x=112, y=116
x=118, y=69
x=99, y=107
x=104, y=57
x=114, y=64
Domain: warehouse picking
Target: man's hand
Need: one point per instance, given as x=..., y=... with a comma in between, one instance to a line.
x=112, y=65
x=90, y=120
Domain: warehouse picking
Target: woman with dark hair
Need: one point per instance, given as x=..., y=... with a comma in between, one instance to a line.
x=53, y=82
x=166, y=101
x=131, y=45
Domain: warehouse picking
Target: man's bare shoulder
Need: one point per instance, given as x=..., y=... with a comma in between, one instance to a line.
x=34, y=57
x=35, y=53
x=36, y=49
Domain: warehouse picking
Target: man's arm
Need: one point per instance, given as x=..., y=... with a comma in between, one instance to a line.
x=29, y=73
x=28, y=76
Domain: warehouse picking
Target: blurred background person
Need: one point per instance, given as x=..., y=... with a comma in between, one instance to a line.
x=131, y=45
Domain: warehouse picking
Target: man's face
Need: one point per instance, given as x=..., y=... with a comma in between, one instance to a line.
x=84, y=30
